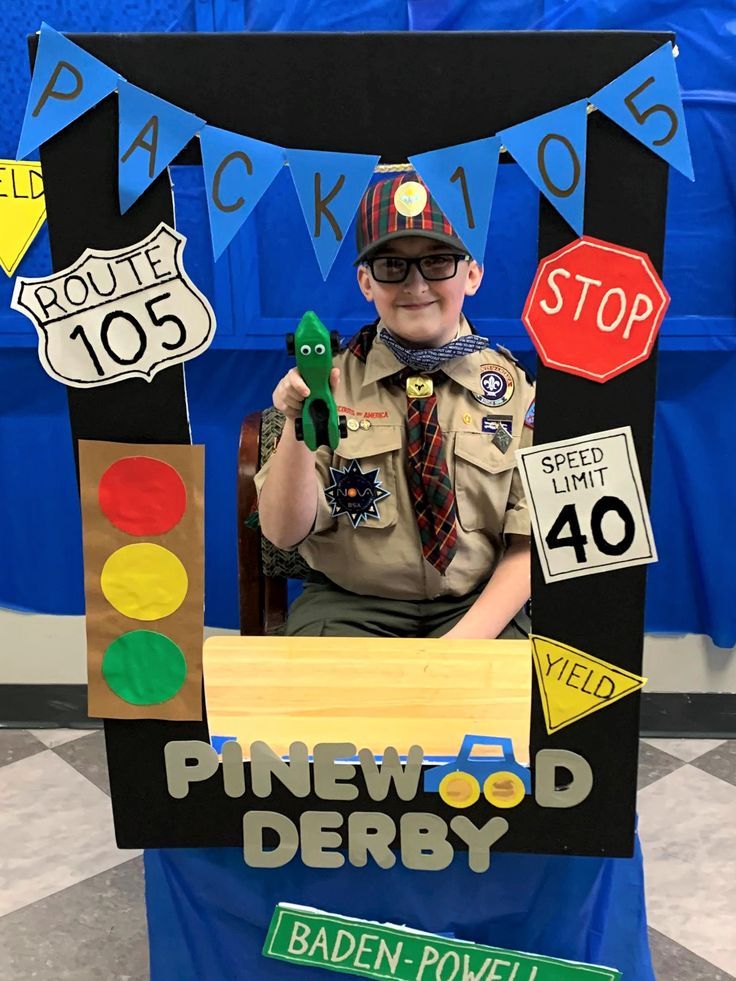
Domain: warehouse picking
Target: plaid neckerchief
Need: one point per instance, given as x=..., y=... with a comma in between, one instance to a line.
x=429, y=480
x=430, y=358
x=431, y=491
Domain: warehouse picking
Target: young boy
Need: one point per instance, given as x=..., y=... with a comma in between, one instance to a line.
x=416, y=525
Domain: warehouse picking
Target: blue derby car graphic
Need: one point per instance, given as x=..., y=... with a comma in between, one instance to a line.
x=459, y=782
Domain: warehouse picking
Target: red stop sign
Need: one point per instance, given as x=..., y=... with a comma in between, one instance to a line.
x=594, y=308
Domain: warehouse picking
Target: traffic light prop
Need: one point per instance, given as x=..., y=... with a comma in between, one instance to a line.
x=142, y=514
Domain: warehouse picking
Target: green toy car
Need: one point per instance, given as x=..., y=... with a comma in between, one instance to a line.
x=314, y=346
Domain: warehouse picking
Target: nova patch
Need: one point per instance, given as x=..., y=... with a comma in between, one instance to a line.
x=497, y=385
x=354, y=493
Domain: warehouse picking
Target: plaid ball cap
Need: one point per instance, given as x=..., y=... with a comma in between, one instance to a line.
x=379, y=220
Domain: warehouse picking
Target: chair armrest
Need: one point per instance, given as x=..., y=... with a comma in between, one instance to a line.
x=249, y=538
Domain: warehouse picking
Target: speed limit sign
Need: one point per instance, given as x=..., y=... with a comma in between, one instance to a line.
x=587, y=504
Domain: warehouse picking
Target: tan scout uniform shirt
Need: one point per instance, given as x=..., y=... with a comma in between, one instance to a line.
x=383, y=556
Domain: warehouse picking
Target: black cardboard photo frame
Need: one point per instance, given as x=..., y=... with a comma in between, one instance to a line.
x=395, y=94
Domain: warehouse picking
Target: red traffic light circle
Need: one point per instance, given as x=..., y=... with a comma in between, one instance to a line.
x=142, y=496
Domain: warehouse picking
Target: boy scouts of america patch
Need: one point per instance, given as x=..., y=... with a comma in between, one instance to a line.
x=355, y=493
x=497, y=385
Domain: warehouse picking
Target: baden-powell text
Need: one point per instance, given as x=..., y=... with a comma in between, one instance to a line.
x=377, y=950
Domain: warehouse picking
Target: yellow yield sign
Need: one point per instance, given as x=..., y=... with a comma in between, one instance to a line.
x=22, y=210
x=574, y=684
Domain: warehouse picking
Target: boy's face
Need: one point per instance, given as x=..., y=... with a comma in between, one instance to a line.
x=422, y=313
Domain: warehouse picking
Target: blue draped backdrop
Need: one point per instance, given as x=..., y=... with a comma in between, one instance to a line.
x=207, y=912
x=269, y=276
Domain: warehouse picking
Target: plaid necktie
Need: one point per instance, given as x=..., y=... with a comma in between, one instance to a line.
x=429, y=481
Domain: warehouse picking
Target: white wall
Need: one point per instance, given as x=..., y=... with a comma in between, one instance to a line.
x=689, y=663
x=37, y=649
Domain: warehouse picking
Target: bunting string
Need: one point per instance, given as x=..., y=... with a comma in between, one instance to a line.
x=67, y=82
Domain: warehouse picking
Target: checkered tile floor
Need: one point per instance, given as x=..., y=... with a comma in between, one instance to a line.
x=71, y=903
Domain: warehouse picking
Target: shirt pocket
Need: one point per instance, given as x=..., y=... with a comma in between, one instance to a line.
x=482, y=481
x=376, y=449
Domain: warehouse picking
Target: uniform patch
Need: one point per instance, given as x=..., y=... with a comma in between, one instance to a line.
x=529, y=417
x=410, y=199
x=355, y=493
x=346, y=410
x=491, y=424
x=497, y=385
x=502, y=439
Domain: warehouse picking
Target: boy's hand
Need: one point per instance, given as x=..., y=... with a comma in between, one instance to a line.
x=290, y=393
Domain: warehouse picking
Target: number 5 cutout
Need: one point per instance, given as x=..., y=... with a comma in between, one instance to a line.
x=646, y=102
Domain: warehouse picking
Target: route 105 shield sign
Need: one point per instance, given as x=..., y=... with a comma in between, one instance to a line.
x=115, y=315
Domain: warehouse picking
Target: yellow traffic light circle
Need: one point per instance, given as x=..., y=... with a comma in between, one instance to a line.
x=144, y=581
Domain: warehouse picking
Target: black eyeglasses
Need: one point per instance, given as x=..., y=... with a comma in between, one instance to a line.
x=395, y=268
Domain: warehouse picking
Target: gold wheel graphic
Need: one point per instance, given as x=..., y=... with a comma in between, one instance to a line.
x=504, y=789
x=459, y=789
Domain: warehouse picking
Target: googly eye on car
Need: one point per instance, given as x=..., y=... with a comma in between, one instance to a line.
x=319, y=349
x=305, y=349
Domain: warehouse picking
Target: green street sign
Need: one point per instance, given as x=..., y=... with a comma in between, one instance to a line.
x=376, y=950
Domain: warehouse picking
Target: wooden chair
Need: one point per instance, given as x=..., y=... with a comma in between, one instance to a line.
x=263, y=569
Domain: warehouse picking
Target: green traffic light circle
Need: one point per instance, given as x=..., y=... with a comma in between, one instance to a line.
x=144, y=668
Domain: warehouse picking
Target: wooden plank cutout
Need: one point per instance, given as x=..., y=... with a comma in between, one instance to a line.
x=373, y=692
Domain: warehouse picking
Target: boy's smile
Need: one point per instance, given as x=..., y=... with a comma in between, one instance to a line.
x=420, y=312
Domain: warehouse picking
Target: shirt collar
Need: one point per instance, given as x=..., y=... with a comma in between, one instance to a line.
x=381, y=361
x=466, y=371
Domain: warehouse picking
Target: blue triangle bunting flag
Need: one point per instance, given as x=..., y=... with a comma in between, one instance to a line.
x=329, y=187
x=66, y=83
x=550, y=149
x=646, y=102
x=462, y=179
x=237, y=172
x=151, y=133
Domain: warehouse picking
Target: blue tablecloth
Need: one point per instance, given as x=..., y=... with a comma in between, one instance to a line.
x=208, y=913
